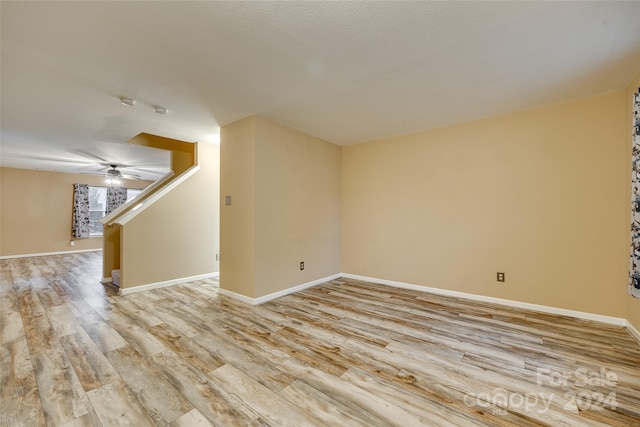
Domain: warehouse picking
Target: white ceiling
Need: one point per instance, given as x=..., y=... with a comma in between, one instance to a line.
x=346, y=72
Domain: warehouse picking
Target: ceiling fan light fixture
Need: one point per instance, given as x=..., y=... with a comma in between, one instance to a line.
x=160, y=110
x=113, y=182
x=113, y=177
x=127, y=101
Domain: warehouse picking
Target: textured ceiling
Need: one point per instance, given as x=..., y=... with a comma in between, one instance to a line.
x=346, y=72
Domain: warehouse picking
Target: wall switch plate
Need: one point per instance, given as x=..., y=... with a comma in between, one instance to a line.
x=500, y=277
x=227, y=200
x=217, y=257
x=301, y=265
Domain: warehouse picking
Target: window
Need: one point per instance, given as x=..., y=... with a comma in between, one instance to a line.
x=97, y=206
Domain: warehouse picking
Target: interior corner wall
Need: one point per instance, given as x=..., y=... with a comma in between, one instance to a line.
x=540, y=195
x=297, y=202
x=176, y=237
x=237, y=220
x=633, y=304
x=285, y=208
x=36, y=211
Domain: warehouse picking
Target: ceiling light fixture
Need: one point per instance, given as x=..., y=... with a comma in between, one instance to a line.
x=113, y=177
x=160, y=110
x=127, y=101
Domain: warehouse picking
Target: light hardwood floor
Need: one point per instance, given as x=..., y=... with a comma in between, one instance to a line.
x=344, y=353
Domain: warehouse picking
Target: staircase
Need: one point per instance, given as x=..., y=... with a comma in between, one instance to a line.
x=168, y=233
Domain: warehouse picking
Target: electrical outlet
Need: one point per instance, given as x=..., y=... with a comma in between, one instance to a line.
x=301, y=265
x=217, y=257
x=72, y=242
x=500, y=277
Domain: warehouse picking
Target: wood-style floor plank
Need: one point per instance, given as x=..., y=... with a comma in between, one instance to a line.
x=90, y=365
x=326, y=408
x=361, y=399
x=16, y=375
x=220, y=407
x=22, y=410
x=192, y=418
x=115, y=405
x=11, y=327
x=102, y=334
x=90, y=419
x=344, y=353
x=155, y=393
x=61, y=393
x=272, y=408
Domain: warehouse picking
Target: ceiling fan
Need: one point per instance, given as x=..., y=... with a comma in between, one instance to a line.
x=85, y=162
x=114, y=177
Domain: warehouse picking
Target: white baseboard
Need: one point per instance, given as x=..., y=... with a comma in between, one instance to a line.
x=126, y=291
x=75, y=251
x=238, y=297
x=260, y=300
x=632, y=329
x=543, y=308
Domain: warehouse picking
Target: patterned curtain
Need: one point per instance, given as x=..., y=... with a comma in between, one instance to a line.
x=80, y=227
x=115, y=197
x=634, y=264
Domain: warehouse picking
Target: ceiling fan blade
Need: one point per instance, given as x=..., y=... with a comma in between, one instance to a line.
x=48, y=159
x=136, y=164
x=131, y=176
x=148, y=170
x=88, y=154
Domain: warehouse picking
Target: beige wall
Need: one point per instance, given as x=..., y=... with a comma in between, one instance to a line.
x=297, y=207
x=237, y=221
x=36, y=209
x=540, y=195
x=177, y=236
x=633, y=304
x=285, y=188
